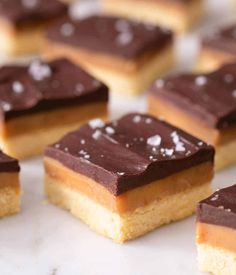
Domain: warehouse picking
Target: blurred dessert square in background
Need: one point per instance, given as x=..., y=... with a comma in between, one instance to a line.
x=42, y=101
x=203, y=105
x=217, y=48
x=125, y=55
x=178, y=15
x=23, y=22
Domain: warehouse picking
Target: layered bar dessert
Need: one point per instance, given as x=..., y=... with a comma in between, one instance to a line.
x=178, y=15
x=128, y=177
x=216, y=232
x=203, y=105
x=218, y=48
x=126, y=55
x=41, y=102
x=9, y=185
x=22, y=23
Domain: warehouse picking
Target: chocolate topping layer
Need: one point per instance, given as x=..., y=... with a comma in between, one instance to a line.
x=110, y=35
x=222, y=39
x=23, y=12
x=8, y=164
x=209, y=97
x=41, y=86
x=130, y=152
x=219, y=209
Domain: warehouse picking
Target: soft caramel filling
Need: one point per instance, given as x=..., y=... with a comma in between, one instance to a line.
x=88, y=58
x=9, y=179
x=211, y=59
x=216, y=236
x=160, y=108
x=52, y=118
x=134, y=198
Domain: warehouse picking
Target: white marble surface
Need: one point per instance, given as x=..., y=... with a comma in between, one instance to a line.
x=45, y=240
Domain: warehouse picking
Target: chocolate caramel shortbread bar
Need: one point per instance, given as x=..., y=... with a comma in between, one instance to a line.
x=41, y=102
x=216, y=232
x=178, y=15
x=126, y=55
x=130, y=176
x=203, y=105
x=23, y=22
x=10, y=190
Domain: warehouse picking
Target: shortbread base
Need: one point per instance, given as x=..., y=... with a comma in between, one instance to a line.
x=9, y=194
x=170, y=15
x=9, y=201
x=129, y=225
x=210, y=60
x=25, y=137
x=216, y=260
x=122, y=76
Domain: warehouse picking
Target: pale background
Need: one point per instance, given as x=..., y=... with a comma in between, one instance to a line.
x=45, y=240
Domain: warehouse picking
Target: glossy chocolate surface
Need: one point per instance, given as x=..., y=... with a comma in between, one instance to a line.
x=110, y=35
x=219, y=209
x=222, y=40
x=209, y=97
x=8, y=164
x=41, y=86
x=130, y=152
x=23, y=12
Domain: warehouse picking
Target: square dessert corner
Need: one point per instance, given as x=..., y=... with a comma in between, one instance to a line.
x=216, y=232
x=125, y=54
x=128, y=177
x=39, y=103
x=10, y=191
x=177, y=15
x=204, y=105
x=24, y=22
x=217, y=48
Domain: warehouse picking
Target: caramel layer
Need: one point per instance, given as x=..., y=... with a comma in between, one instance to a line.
x=132, y=199
x=216, y=236
x=52, y=118
x=189, y=123
x=211, y=59
x=88, y=58
x=10, y=180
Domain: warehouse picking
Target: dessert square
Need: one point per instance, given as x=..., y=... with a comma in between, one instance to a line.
x=22, y=23
x=126, y=55
x=216, y=232
x=218, y=48
x=41, y=102
x=203, y=105
x=178, y=15
x=9, y=185
x=128, y=177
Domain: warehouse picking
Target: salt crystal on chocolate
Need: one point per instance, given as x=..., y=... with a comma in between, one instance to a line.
x=201, y=80
x=154, y=140
x=110, y=130
x=67, y=29
x=96, y=123
x=17, y=87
